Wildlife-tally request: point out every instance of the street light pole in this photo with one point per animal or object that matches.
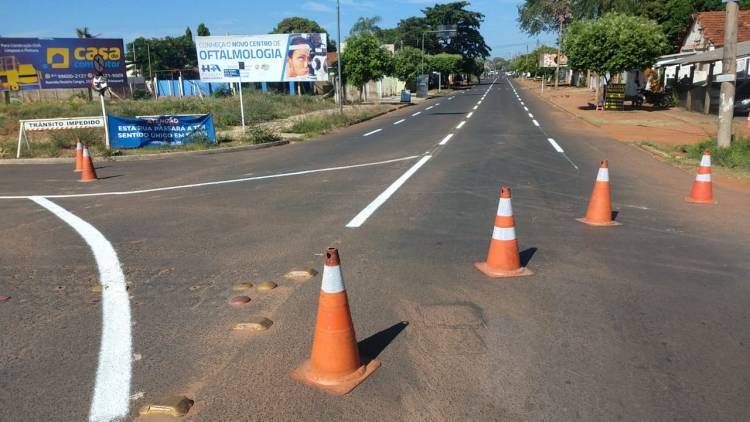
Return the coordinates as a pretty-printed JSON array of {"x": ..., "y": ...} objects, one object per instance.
[
  {"x": 338, "y": 58},
  {"x": 729, "y": 73}
]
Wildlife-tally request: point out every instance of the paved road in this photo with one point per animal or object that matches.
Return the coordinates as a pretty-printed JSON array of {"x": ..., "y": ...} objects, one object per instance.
[{"x": 645, "y": 321}]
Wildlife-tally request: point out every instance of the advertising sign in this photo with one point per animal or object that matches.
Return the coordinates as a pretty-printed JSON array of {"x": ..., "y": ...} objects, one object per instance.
[
  {"x": 157, "y": 131},
  {"x": 550, "y": 60},
  {"x": 34, "y": 63},
  {"x": 265, "y": 58}
]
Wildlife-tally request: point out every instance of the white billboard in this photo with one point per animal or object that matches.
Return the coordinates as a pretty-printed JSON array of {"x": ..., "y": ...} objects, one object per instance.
[{"x": 262, "y": 58}]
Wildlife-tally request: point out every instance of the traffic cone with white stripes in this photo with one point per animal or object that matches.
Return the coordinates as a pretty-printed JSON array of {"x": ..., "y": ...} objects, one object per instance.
[
  {"x": 79, "y": 156},
  {"x": 88, "y": 173},
  {"x": 702, "y": 192},
  {"x": 503, "y": 258},
  {"x": 334, "y": 365},
  {"x": 599, "y": 212}
]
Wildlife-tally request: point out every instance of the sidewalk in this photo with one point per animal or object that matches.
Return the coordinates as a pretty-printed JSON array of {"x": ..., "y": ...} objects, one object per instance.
[{"x": 667, "y": 127}]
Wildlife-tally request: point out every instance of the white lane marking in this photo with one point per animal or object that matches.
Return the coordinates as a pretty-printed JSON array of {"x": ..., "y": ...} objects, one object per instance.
[
  {"x": 479, "y": 103},
  {"x": 380, "y": 200},
  {"x": 535, "y": 123},
  {"x": 450, "y": 98},
  {"x": 475, "y": 107},
  {"x": 525, "y": 108},
  {"x": 219, "y": 182},
  {"x": 446, "y": 139},
  {"x": 399, "y": 122},
  {"x": 468, "y": 116},
  {"x": 416, "y": 114},
  {"x": 111, "y": 399},
  {"x": 437, "y": 104},
  {"x": 429, "y": 108},
  {"x": 373, "y": 132},
  {"x": 460, "y": 125},
  {"x": 522, "y": 103},
  {"x": 557, "y": 147},
  {"x": 531, "y": 115}
]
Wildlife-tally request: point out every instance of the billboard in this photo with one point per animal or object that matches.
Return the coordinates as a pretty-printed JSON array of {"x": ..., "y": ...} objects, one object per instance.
[
  {"x": 550, "y": 60},
  {"x": 34, "y": 63},
  {"x": 262, "y": 58}
]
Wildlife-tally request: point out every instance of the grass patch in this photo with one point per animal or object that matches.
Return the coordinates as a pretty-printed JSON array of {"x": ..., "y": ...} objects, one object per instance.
[
  {"x": 318, "y": 125},
  {"x": 737, "y": 156}
]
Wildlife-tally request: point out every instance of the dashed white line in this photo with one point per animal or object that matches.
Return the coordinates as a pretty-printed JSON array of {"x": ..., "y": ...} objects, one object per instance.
[
  {"x": 525, "y": 108},
  {"x": 460, "y": 125},
  {"x": 468, "y": 116},
  {"x": 535, "y": 123},
  {"x": 531, "y": 115},
  {"x": 446, "y": 139},
  {"x": 416, "y": 114},
  {"x": 429, "y": 108},
  {"x": 373, "y": 132},
  {"x": 399, "y": 122},
  {"x": 555, "y": 145},
  {"x": 437, "y": 104},
  {"x": 450, "y": 98},
  {"x": 380, "y": 200},
  {"x": 475, "y": 107},
  {"x": 111, "y": 399}
]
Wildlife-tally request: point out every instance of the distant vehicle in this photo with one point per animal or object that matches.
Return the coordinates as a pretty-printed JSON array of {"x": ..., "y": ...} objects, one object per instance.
[{"x": 14, "y": 75}]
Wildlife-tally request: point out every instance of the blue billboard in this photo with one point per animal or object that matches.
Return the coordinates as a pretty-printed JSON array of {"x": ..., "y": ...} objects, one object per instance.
[
  {"x": 40, "y": 63},
  {"x": 160, "y": 131}
]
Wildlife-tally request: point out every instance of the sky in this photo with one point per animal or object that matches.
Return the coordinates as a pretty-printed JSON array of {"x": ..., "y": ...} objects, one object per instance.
[{"x": 159, "y": 18}]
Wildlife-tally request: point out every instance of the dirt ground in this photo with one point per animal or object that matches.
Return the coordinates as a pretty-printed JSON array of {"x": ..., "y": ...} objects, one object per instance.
[{"x": 671, "y": 127}]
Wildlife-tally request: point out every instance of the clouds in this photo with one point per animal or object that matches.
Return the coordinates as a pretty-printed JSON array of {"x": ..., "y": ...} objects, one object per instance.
[{"x": 315, "y": 6}]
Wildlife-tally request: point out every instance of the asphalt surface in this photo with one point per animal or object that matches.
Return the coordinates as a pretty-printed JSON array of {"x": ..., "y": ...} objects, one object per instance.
[{"x": 644, "y": 321}]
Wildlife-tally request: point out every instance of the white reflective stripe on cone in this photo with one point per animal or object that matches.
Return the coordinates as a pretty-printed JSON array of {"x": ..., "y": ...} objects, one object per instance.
[
  {"x": 505, "y": 209},
  {"x": 333, "y": 282},
  {"x": 86, "y": 152},
  {"x": 706, "y": 160},
  {"x": 603, "y": 175},
  {"x": 504, "y": 233},
  {"x": 702, "y": 177}
]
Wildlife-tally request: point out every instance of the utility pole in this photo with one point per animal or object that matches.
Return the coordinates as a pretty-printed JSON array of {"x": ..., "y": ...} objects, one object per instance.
[
  {"x": 559, "y": 51},
  {"x": 728, "y": 76},
  {"x": 338, "y": 57}
]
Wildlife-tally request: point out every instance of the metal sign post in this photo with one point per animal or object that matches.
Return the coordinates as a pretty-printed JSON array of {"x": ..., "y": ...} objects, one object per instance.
[
  {"x": 241, "y": 66},
  {"x": 100, "y": 84},
  {"x": 104, "y": 115}
]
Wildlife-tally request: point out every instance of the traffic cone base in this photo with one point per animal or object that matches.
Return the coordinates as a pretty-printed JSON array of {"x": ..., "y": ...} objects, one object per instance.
[
  {"x": 599, "y": 223},
  {"x": 497, "y": 273},
  {"x": 337, "y": 386},
  {"x": 700, "y": 201}
]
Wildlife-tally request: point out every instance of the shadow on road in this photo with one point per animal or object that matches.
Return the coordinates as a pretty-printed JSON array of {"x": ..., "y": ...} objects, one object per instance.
[
  {"x": 372, "y": 346},
  {"x": 526, "y": 256}
]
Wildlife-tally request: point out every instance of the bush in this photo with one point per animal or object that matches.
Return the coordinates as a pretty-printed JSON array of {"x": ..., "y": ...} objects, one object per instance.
[
  {"x": 736, "y": 156},
  {"x": 261, "y": 135}
]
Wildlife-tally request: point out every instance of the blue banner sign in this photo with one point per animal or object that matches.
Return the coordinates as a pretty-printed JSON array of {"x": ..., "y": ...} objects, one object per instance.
[
  {"x": 160, "y": 131},
  {"x": 34, "y": 63}
]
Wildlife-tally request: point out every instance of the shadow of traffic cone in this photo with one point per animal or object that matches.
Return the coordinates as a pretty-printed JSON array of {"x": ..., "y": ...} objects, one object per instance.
[
  {"x": 79, "y": 156},
  {"x": 702, "y": 192},
  {"x": 88, "y": 173},
  {"x": 503, "y": 259},
  {"x": 334, "y": 364},
  {"x": 599, "y": 212}
]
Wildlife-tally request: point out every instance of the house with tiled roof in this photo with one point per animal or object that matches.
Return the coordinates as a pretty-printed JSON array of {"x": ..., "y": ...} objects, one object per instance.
[{"x": 707, "y": 30}]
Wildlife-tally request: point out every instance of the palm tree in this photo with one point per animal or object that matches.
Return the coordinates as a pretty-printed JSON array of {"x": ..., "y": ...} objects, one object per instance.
[
  {"x": 369, "y": 25},
  {"x": 84, "y": 33}
]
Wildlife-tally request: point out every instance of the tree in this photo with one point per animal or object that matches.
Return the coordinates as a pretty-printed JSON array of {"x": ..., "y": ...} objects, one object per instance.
[
  {"x": 364, "y": 60},
  {"x": 406, "y": 63},
  {"x": 446, "y": 63},
  {"x": 613, "y": 43},
  {"x": 188, "y": 33},
  {"x": 84, "y": 33},
  {"x": 203, "y": 30},
  {"x": 298, "y": 25},
  {"x": 369, "y": 25}
]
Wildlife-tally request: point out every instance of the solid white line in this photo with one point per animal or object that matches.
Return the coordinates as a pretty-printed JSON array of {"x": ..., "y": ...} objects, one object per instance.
[
  {"x": 460, "y": 125},
  {"x": 555, "y": 145},
  {"x": 446, "y": 139},
  {"x": 468, "y": 116},
  {"x": 219, "y": 182},
  {"x": 475, "y": 107},
  {"x": 380, "y": 200},
  {"x": 112, "y": 387},
  {"x": 429, "y": 108},
  {"x": 535, "y": 123},
  {"x": 374, "y": 131},
  {"x": 416, "y": 114},
  {"x": 399, "y": 122}
]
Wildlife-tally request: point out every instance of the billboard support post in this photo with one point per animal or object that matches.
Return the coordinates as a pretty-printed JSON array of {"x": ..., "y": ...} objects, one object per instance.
[
  {"x": 104, "y": 115},
  {"x": 242, "y": 106}
]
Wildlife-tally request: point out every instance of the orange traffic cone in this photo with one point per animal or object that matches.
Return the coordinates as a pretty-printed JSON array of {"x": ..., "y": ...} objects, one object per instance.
[
  {"x": 88, "y": 173},
  {"x": 79, "y": 156},
  {"x": 503, "y": 259},
  {"x": 747, "y": 122},
  {"x": 599, "y": 212},
  {"x": 702, "y": 192},
  {"x": 334, "y": 364}
]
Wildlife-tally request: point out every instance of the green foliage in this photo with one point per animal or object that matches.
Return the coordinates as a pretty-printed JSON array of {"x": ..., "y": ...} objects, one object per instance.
[
  {"x": 736, "y": 156},
  {"x": 168, "y": 53},
  {"x": 613, "y": 43},
  {"x": 364, "y": 60},
  {"x": 299, "y": 25},
  {"x": 446, "y": 63},
  {"x": 536, "y": 16},
  {"x": 261, "y": 135},
  {"x": 318, "y": 125},
  {"x": 203, "y": 30},
  {"x": 363, "y": 24},
  {"x": 529, "y": 63},
  {"x": 406, "y": 63},
  {"x": 467, "y": 41}
]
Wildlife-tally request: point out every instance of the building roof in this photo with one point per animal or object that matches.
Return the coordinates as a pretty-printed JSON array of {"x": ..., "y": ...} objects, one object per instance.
[
  {"x": 716, "y": 55},
  {"x": 712, "y": 24}
]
